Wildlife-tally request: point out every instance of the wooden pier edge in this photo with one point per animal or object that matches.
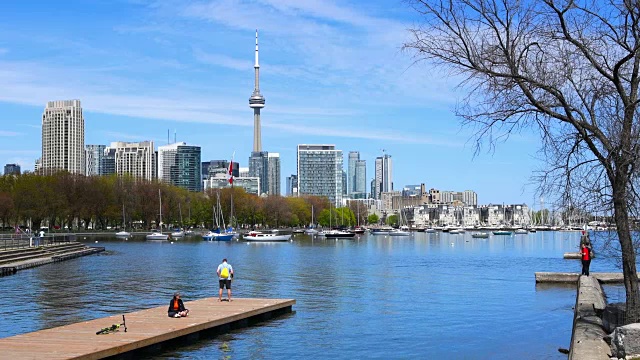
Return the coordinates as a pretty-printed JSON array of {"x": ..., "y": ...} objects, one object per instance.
[{"x": 148, "y": 330}]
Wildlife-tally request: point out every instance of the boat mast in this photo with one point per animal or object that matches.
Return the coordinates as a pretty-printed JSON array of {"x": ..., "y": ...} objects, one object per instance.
[{"x": 160, "y": 198}]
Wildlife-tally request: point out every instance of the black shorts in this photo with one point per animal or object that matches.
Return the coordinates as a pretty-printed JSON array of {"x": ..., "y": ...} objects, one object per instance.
[{"x": 224, "y": 283}]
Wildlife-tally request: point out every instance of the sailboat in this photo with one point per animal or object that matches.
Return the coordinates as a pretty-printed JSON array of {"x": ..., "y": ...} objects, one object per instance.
[
  {"x": 218, "y": 218},
  {"x": 158, "y": 235},
  {"x": 311, "y": 230},
  {"x": 178, "y": 233},
  {"x": 123, "y": 233}
]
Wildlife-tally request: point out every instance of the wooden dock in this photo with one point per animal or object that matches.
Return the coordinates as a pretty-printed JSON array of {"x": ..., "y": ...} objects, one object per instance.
[{"x": 146, "y": 330}]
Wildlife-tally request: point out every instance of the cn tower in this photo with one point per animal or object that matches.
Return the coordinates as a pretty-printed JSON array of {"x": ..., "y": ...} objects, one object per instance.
[{"x": 256, "y": 102}]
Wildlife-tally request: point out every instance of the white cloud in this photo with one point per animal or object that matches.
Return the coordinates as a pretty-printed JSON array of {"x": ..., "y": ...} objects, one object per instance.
[{"x": 9, "y": 133}]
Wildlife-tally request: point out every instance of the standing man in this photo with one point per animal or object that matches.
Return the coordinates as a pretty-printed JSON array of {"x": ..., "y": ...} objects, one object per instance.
[
  {"x": 225, "y": 273},
  {"x": 586, "y": 259}
]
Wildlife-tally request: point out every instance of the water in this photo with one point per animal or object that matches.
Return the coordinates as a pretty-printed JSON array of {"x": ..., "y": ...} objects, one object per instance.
[{"x": 426, "y": 296}]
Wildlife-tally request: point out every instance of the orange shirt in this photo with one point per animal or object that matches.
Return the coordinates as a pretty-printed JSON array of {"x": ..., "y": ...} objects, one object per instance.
[
  {"x": 176, "y": 304},
  {"x": 585, "y": 254}
]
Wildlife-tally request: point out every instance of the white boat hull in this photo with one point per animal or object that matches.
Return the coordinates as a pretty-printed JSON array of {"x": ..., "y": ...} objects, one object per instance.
[
  {"x": 123, "y": 234},
  {"x": 177, "y": 234},
  {"x": 267, "y": 237},
  {"x": 158, "y": 236},
  {"x": 399, "y": 233}
]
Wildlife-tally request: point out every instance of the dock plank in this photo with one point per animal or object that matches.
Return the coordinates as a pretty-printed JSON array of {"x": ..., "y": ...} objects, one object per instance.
[
  {"x": 556, "y": 277},
  {"x": 145, "y": 328}
]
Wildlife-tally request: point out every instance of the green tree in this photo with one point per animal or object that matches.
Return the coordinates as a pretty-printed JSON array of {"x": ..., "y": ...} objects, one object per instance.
[
  {"x": 373, "y": 219},
  {"x": 392, "y": 220}
]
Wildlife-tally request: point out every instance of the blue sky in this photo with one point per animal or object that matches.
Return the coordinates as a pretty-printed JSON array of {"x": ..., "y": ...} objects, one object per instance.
[{"x": 332, "y": 72}]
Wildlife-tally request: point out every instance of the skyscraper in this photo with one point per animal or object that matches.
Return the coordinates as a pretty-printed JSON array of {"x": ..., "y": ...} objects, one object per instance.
[
  {"x": 351, "y": 179},
  {"x": 360, "y": 188},
  {"x": 273, "y": 174},
  {"x": 63, "y": 137},
  {"x": 134, "y": 159},
  {"x": 292, "y": 185},
  {"x": 179, "y": 165},
  {"x": 383, "y": 175},
  {"x": 320, "y": 172},
  {"x": 94, "y": 159}
]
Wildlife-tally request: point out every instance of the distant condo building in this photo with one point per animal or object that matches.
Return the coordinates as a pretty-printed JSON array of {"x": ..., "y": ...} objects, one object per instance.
[
  {"x": 213, "y": 168},
  {"x": 292, "y": 185},
  {"x": 320, "y": 172},
  {"x": 12, "y": 169},
  {"x": 37, "y": 165},
  {"x": 383, "y": 175},
  {"x": 243, "y": 172},
  {"x": 250, "y": 184},
  {"x": 135, "y": 159},
  {"x": 266, "y": 166},
  {"x": 357, "y": 176},
  {"x": 63, "y": 137},
  {"x": 94, "y": 160},
  {"x": 179, "y": 165}
]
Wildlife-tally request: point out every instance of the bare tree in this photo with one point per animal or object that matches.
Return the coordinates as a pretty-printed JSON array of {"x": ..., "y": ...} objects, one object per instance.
[{"x": 570, "y": 69}]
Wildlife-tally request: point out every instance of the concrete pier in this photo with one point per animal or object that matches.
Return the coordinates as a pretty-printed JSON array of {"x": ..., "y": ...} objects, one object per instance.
[
  {"x": 147, "y": 330},
  {"x": 587, "y": 337},
  {"x": 554, "y": 277}
]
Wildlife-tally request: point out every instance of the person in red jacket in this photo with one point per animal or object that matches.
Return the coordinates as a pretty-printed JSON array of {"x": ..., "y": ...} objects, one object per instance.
[{"x": 586, "y": 259}]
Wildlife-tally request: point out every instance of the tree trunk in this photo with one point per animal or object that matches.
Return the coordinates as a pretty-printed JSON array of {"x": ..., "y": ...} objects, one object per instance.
[{"x": 628, "y": 252}]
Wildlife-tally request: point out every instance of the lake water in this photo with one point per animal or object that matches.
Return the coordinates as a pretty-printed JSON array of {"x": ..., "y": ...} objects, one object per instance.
[{"x": 425, "y": 296}]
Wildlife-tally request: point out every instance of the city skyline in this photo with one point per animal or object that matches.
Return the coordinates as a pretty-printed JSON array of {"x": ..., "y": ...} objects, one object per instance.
[{"x": 135, "y": 82}]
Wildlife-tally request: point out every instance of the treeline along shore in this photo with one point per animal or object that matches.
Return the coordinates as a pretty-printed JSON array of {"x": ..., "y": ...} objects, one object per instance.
[{"x": 77, "y": 202}]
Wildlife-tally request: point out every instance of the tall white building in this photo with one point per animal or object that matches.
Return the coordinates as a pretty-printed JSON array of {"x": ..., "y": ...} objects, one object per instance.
[
  {"x": 63, "y": 137},
  {"x": 470, "y": 198},
  {"x": 383, "y": 175},
  {"x": 135, "y": 159},
  {"x": 320, "y": 172}
]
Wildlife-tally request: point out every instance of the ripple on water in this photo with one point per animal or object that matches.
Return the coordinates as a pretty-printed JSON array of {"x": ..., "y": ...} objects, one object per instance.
[{"x": 373, "y": 297}]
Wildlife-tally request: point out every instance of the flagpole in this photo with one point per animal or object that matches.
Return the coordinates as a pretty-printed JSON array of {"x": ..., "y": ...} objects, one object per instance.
[{"x": 231, "y": 181}]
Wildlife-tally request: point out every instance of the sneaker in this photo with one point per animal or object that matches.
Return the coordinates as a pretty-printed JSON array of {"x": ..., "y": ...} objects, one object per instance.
[{"x": 176, "y": 315}]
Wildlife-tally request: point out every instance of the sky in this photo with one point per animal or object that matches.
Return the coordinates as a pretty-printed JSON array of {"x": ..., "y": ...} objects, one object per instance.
[{"x": 332, "y": 72}]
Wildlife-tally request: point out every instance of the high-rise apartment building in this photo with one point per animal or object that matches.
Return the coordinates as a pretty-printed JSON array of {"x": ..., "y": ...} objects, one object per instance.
[
  {"x": 360, "y": 188},
  {"x": 320, "y": 172},
  {"x": 179, "y": 165},
  {"x": 470, "y": 198},
  {"x": 383, "y": 175},
  {"x": 266, "y": 166},
  {"x": 12, "y": 169},
  {"x": 135, "y": 159},
  {"x": 292, "y": 185},
  {"x": 273, "y": 174},
  {"x": 351, "y": 175},
  {"x": 94, "y": 159},
  {"x": 63, "y": 137}
]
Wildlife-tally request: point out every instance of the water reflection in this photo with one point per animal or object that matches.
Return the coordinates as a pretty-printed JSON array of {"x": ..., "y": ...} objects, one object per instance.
[{"x": 422, "y": 296}]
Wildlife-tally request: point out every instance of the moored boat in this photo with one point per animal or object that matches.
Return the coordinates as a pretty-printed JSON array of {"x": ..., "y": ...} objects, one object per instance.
[
  {"x": 521, "y": 232},
  {"x": 262, "y": 236},
  {"x": 430, "y": 230},
  {"x": 339, "y": 234},
  {"x": 502, "y": 232},
  {"x": 157, "y": 236},
  {"x": 214, "y": 236},
  {"x": 399, "y": 233},
  {"x": 123, "y": 234},
  {"x": 480, "y": 235}
]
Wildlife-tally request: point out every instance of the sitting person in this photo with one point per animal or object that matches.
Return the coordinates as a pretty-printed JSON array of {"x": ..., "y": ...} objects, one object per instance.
[{"x": 176, "y": 307}]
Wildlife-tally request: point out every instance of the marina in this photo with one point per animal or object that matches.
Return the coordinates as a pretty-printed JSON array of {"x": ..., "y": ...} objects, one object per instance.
[{"x": 354, "y": 298}]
